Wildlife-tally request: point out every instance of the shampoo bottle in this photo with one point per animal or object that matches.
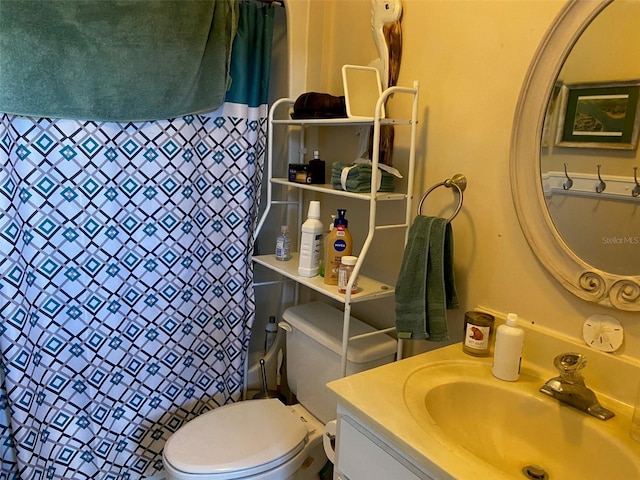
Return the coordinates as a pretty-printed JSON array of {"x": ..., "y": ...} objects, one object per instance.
[
  {"x": 508, "y": 350},
  {"x": 310, "y": 242},
  {"x": 339, "y": 244}
]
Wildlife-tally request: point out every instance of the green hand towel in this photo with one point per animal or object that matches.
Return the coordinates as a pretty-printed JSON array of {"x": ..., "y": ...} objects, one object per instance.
[
  {"x": 438, "y": 271},
  {"x": 449, "y": 278},
  {"x": 425, "y": 287},
  {"x": 411, "y": 317}
]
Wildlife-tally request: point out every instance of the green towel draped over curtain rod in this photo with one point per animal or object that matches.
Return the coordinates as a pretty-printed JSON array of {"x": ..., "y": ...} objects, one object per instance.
[{"x": 115, "y": 60}]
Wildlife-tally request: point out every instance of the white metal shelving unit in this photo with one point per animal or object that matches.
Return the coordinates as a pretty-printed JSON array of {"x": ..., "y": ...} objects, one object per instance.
[{"x": 369, "y": 289}]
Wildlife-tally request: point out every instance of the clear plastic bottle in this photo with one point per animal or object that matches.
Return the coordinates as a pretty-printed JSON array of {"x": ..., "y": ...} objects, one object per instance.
[
  {"x": 310, "y": 242},
  {"x": 507, "y": 354},
  {"x": 283, "y": 244}
]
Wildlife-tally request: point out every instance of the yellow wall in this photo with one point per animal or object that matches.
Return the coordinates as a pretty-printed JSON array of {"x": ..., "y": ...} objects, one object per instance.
[{"x": 470, "y": 57}]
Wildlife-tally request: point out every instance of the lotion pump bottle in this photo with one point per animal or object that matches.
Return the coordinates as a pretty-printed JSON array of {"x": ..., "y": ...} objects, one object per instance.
[
  {"x": 310, "y": 242},
  {"x": 508, "y": 350},
  {"x": 339, "y": 244}
]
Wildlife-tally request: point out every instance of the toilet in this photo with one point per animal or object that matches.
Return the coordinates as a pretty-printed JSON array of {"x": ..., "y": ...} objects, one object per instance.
[{"x": 265, "y": 439}]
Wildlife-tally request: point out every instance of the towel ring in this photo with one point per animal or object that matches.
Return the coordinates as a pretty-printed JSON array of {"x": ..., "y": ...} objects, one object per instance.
[{"x": 458, "y": 181}]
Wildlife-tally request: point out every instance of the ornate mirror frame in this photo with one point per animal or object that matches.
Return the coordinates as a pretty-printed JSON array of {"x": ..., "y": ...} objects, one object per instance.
[{"x": 573, "y": 273}]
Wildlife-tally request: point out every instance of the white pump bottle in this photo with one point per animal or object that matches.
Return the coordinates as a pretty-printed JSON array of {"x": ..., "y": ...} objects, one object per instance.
[{"x": 508, "y": 350}]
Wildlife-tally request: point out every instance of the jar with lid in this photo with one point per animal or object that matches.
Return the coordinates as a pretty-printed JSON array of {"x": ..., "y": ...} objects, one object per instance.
[
  {"x": 478, "y": 327},
  {"x": 347, "y": 264}
]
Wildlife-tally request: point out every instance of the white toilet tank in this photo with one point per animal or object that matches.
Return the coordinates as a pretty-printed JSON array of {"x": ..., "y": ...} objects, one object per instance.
[{"x": 314, "y": 348}]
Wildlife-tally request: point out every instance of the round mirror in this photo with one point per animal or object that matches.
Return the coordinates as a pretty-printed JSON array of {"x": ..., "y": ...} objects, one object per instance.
[{"x": 574, "y": 149}]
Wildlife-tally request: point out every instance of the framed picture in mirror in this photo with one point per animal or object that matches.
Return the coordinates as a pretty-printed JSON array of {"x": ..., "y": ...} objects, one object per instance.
[{"x": 599, "y": 115}]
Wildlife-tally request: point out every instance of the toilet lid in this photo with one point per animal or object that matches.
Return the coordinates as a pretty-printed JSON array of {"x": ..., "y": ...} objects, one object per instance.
[{"x": 242, "y": 438}]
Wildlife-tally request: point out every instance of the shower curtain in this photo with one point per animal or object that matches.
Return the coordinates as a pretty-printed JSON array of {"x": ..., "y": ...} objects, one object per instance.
[{"x": 125, "y": 276}]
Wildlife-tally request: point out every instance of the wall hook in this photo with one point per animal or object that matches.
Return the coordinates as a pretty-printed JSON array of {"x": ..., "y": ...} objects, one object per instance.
[
  {"x": 601, "y": 185},
  {"x": 569, "y": 183},
  {"x": 636, "y": 190}
]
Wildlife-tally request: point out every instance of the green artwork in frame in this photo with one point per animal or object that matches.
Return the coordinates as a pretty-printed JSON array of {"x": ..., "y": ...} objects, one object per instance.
[{"x": 603, "y": 115}]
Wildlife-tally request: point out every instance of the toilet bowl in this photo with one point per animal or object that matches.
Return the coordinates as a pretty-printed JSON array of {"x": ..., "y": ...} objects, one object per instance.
[
  {"x": 258, "y": 439},
  {"x": 265, "y": 439}
]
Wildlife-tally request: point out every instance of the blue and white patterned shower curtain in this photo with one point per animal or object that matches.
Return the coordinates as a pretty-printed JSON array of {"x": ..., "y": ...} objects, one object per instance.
[{"x": 126, "y": 285}]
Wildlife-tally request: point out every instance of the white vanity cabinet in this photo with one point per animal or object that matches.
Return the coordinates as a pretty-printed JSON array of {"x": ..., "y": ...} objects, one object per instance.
[
  {"x": 281, "y": 196},
  {"x": 362, "y": 454}
]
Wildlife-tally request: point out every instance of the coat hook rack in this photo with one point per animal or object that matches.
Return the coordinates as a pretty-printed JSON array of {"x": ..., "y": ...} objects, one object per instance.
[
  {"x": 569, "y": 183},
  {"x": 601, "y": 185},
  {"x": 636, "y": 190}
]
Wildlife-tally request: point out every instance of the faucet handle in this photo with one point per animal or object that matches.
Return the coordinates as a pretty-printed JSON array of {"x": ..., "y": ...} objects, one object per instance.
[{"x": 570, "y": 364}]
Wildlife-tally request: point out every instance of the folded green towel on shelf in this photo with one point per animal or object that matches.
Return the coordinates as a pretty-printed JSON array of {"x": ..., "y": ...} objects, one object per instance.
[{"x": 356, "y": 177}]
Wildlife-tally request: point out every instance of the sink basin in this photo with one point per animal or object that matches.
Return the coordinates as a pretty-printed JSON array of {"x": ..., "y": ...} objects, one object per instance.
[{"x": 511, "y": 426}]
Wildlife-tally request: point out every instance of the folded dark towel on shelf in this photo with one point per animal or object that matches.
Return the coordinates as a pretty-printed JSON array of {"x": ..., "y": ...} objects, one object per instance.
[{"x": 319, "y": 105}]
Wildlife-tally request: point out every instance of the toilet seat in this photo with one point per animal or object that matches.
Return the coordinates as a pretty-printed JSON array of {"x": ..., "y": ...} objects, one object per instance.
[{"x": 237, "y": 440}]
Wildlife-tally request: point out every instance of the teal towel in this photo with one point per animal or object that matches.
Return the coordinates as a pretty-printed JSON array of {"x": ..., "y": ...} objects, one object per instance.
[
  {"x": 426, "y": 284},
  {"x": 115, "y": 60}
]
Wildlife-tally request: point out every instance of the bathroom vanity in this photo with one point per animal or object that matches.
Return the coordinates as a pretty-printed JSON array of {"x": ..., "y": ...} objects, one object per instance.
[
  {"x": 442, "y": 415},
  {"x": 365, "y": 454}
]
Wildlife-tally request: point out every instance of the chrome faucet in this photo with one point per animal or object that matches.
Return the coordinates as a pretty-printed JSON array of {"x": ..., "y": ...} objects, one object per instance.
[{"x": 570, "y": 388}]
